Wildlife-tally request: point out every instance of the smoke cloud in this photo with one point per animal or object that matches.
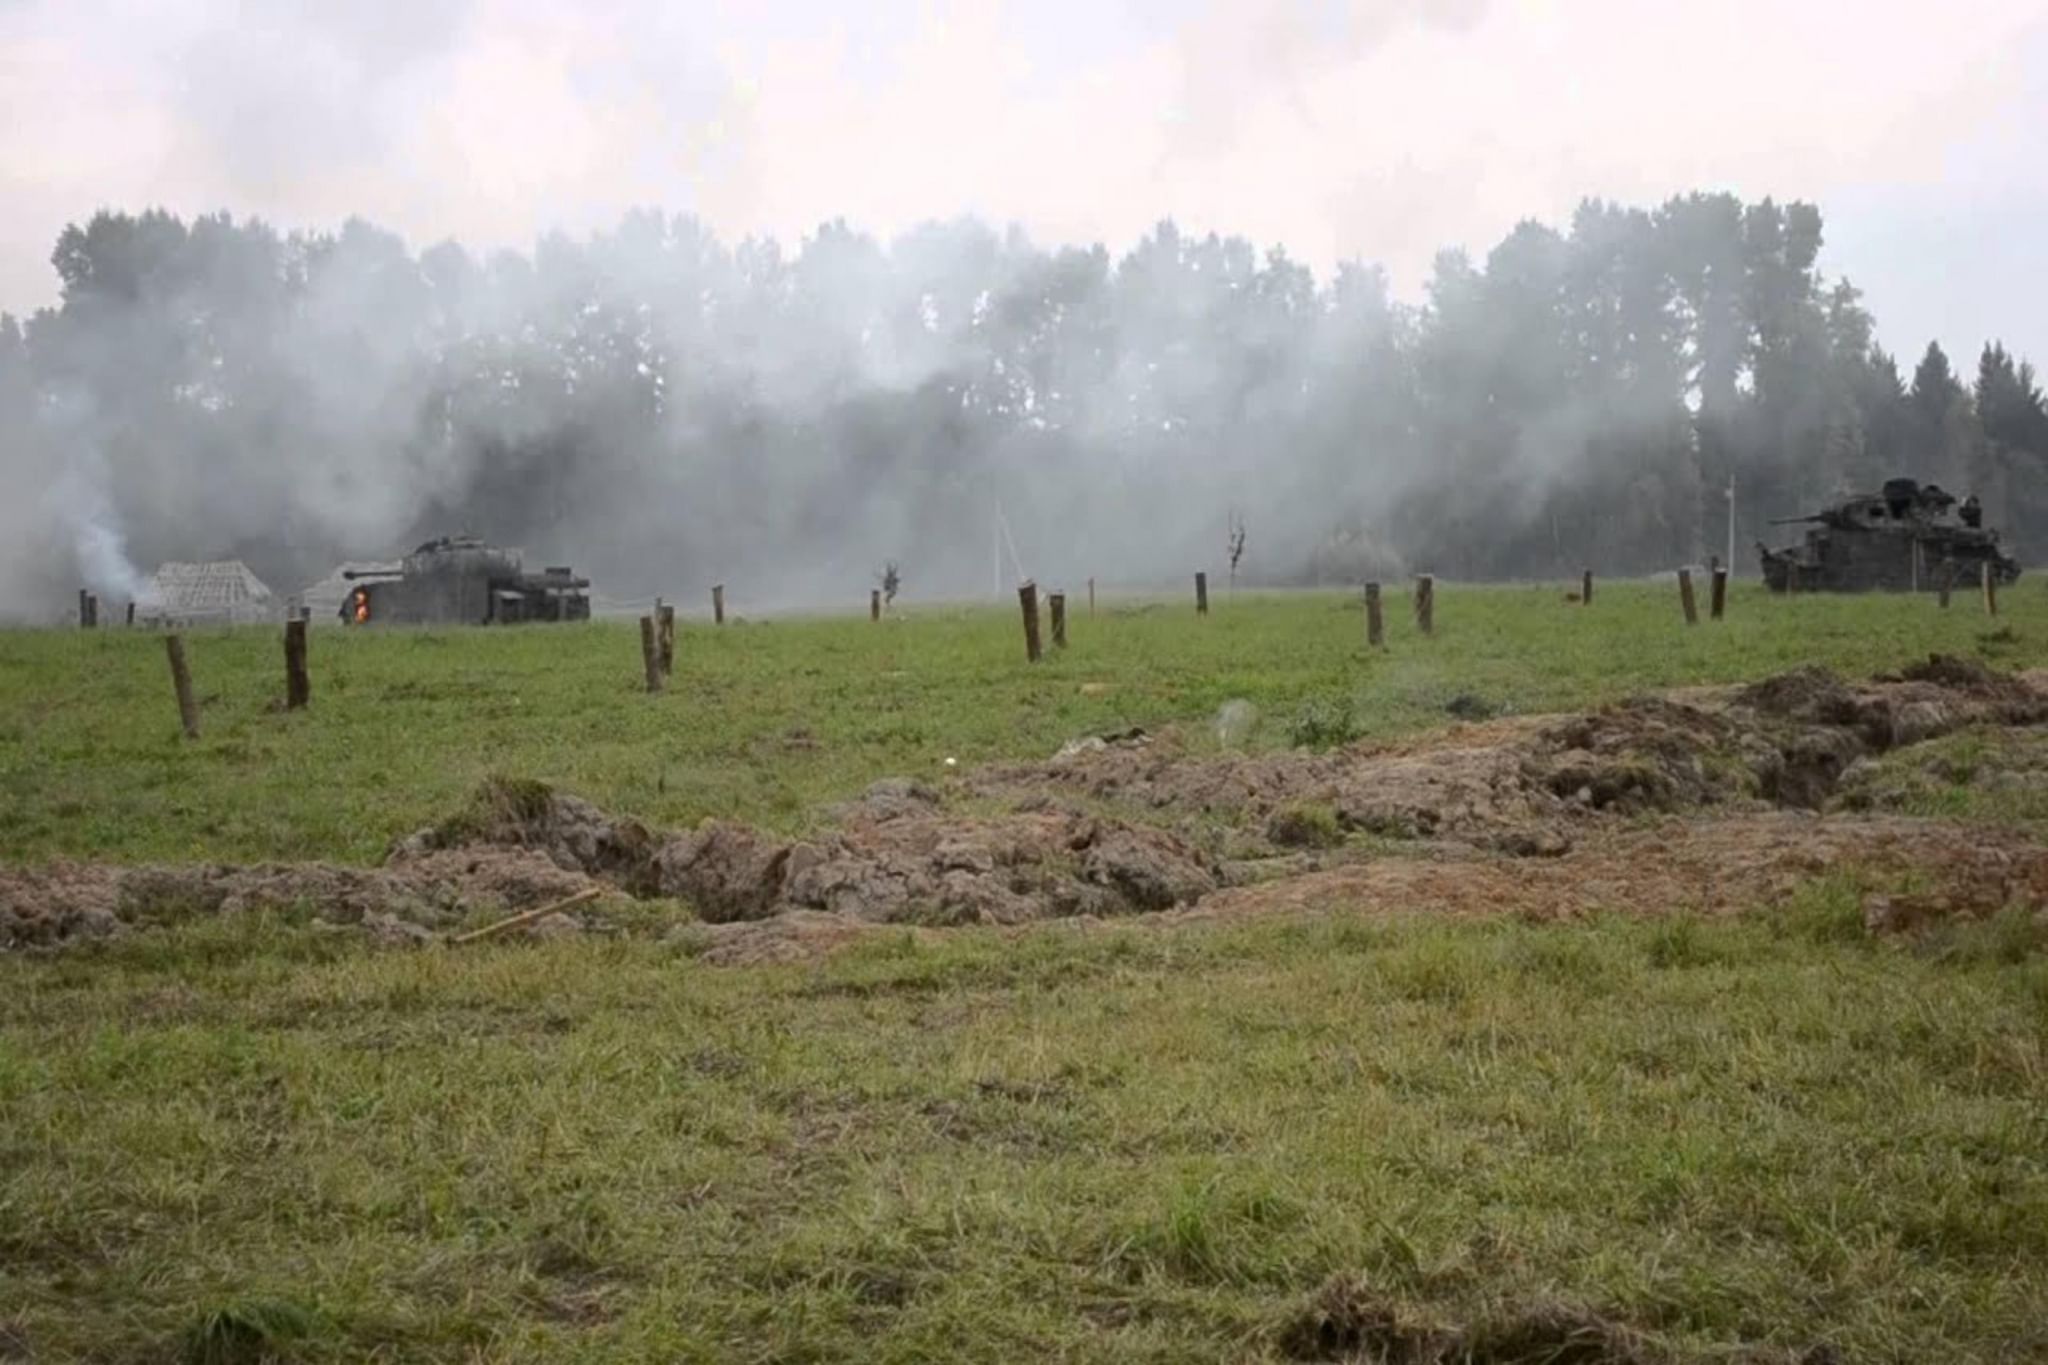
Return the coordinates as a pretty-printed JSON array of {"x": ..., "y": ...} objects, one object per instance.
[{"x": 663, "y": 409}]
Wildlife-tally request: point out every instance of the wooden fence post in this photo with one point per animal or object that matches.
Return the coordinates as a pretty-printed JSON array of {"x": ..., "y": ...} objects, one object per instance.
[
  {"x": 1201, "y": 594},
  {"x": 298, "y": 686},
  {"x": 1058, "y": 602},
  {"x": 718, "y": 604},
  {"x": 181, "y": 683},
  {"x": 131, "y": 613},
  {"x": 1685, "y": 599},
  {"x": 1990, "y": 590},
  {"x": 1375, "y": 622},
  {"x": 665, "y": 638},
  {"x": 650, "y": 658},
  {"x": 1718, "y": 600},
  {"x": 1586, "y": 588},
  {"x": 874, "y": 604},
  {"x": 1027, "y": 599},
  {"x": 1425, "y": 603}
]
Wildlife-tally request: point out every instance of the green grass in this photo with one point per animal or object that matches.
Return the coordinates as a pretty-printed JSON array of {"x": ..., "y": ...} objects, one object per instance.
[
  {"x": 764, "y": 722},
  {"x": 251, "y": 1137},
  {"x": 1127, "y": 1144}
]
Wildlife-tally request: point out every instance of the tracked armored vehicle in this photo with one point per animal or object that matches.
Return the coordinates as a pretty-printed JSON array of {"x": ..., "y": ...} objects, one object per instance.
[
  {"x": 1911, "y": 537},
  {"x": 461, "y": 580}
]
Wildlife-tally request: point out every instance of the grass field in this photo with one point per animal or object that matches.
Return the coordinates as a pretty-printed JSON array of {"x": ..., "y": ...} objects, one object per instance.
[
  {"x": 1659, "y": 1136},
  {"x": 766, "y": 722}
]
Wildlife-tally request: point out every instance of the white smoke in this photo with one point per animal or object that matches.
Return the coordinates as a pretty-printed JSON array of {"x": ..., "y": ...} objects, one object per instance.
[{"x": 78, "y": 503}]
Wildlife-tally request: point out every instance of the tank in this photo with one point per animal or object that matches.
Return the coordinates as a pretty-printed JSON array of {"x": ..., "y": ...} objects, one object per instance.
[
  {"x": 1907, "y": 537},
  {"x": 460, "y": 580}
]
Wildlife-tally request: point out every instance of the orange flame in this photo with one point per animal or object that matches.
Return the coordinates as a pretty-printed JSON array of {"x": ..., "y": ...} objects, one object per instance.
[{"x": 362, "y": 610}]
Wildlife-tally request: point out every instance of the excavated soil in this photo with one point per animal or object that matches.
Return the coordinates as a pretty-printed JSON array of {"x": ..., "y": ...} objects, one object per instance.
[
  {"x": 1709, "y": 866},
  {"x": 1706, "y": 799},
  {"x": 405, "y": 900}
]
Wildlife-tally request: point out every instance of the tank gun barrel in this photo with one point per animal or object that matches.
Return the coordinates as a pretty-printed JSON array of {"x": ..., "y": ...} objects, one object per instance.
[{"x": 353, "y": 574}]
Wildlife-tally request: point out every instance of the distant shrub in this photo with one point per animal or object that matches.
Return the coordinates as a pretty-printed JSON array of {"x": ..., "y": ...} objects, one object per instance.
[
  {"x": 1324, "y": 723},
  {"x": 1305, "y": 824}
]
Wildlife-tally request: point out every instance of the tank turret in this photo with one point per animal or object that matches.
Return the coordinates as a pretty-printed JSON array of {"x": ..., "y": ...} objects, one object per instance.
[{"x": 1907, "y": 537}]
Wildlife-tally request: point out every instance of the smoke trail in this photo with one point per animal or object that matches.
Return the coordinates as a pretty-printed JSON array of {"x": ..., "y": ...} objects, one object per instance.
[{"x": 78, "y": 502}]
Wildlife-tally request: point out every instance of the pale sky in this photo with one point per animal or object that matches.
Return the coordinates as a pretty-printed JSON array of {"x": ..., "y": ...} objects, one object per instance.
[{"x": 1370, "y": 129}]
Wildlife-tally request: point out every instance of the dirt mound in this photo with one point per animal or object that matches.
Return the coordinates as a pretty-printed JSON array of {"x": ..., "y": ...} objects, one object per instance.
[
  {"x": 1535, "y": 786},
  {"x": 1714, "y": 867},
  {"x": 1347, "y": 1321},
  {"x": 65, "y": 901},
  {"x": 1813, "y": 694},
  {"x": 1921, "y": 702},
  {"x": 1466, "y": 784},
  {"x": 1964, "y": 674},
  {"x": 1087, "y": 833},
  {"x": 896, "y": 858},
  {"x": 939, "y": 869},
  {"x": 570, "y": 832}
]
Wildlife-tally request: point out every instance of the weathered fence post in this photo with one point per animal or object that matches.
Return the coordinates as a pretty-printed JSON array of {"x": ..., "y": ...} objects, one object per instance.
[
  {"x": 131, "y": 613},
  {"x": 1944, "y": 581},
  {"x": 650, "y": 658},
  {"x": 874, "y": 604},
  {"x": 1201, "y": 594},
  {"x": 1718, "y": 600},
  {"x": 1586, "y": 588},
  {"x": 1990, "y": 590},
  {"x": 1375, "y": 622},
  {"x": 1027, "y": 599},
  {"x": 1692, "y": 611},
  {"x": 718, "y": 604},
  {"x": 84, "y": 609},
  {"x": 181, "y": 683},
  {"x": 298, "y": 687},
  {"x": 1091, "y": 597},
  {"x": 1425, "y": 603},
  {"x": 1058, "y": 602},
  {"x": 665, "y": 638}
]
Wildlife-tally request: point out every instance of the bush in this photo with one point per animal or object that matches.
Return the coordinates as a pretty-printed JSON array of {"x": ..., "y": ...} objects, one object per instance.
[
  {"x": 1305, "y": 824},
  {"x": 1324, "y": 723}
]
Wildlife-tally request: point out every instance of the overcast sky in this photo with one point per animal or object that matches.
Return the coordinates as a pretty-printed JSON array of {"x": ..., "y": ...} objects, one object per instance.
[{"x": 1376, "y": 129}]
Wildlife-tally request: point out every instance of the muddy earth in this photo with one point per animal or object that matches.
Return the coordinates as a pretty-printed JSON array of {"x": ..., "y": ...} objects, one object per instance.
[{"x": 1711, "y": 799}]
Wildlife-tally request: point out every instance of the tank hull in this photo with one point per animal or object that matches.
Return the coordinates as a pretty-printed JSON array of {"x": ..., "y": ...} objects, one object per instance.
[
  {"x": 462, "y": 581},
  {"x": 1872, "y": 563},
  {"x": 1900, "y": 541}
]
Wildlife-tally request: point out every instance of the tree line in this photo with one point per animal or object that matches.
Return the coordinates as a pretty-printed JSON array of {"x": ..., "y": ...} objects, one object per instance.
[{"x": 659, "y": 403}]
